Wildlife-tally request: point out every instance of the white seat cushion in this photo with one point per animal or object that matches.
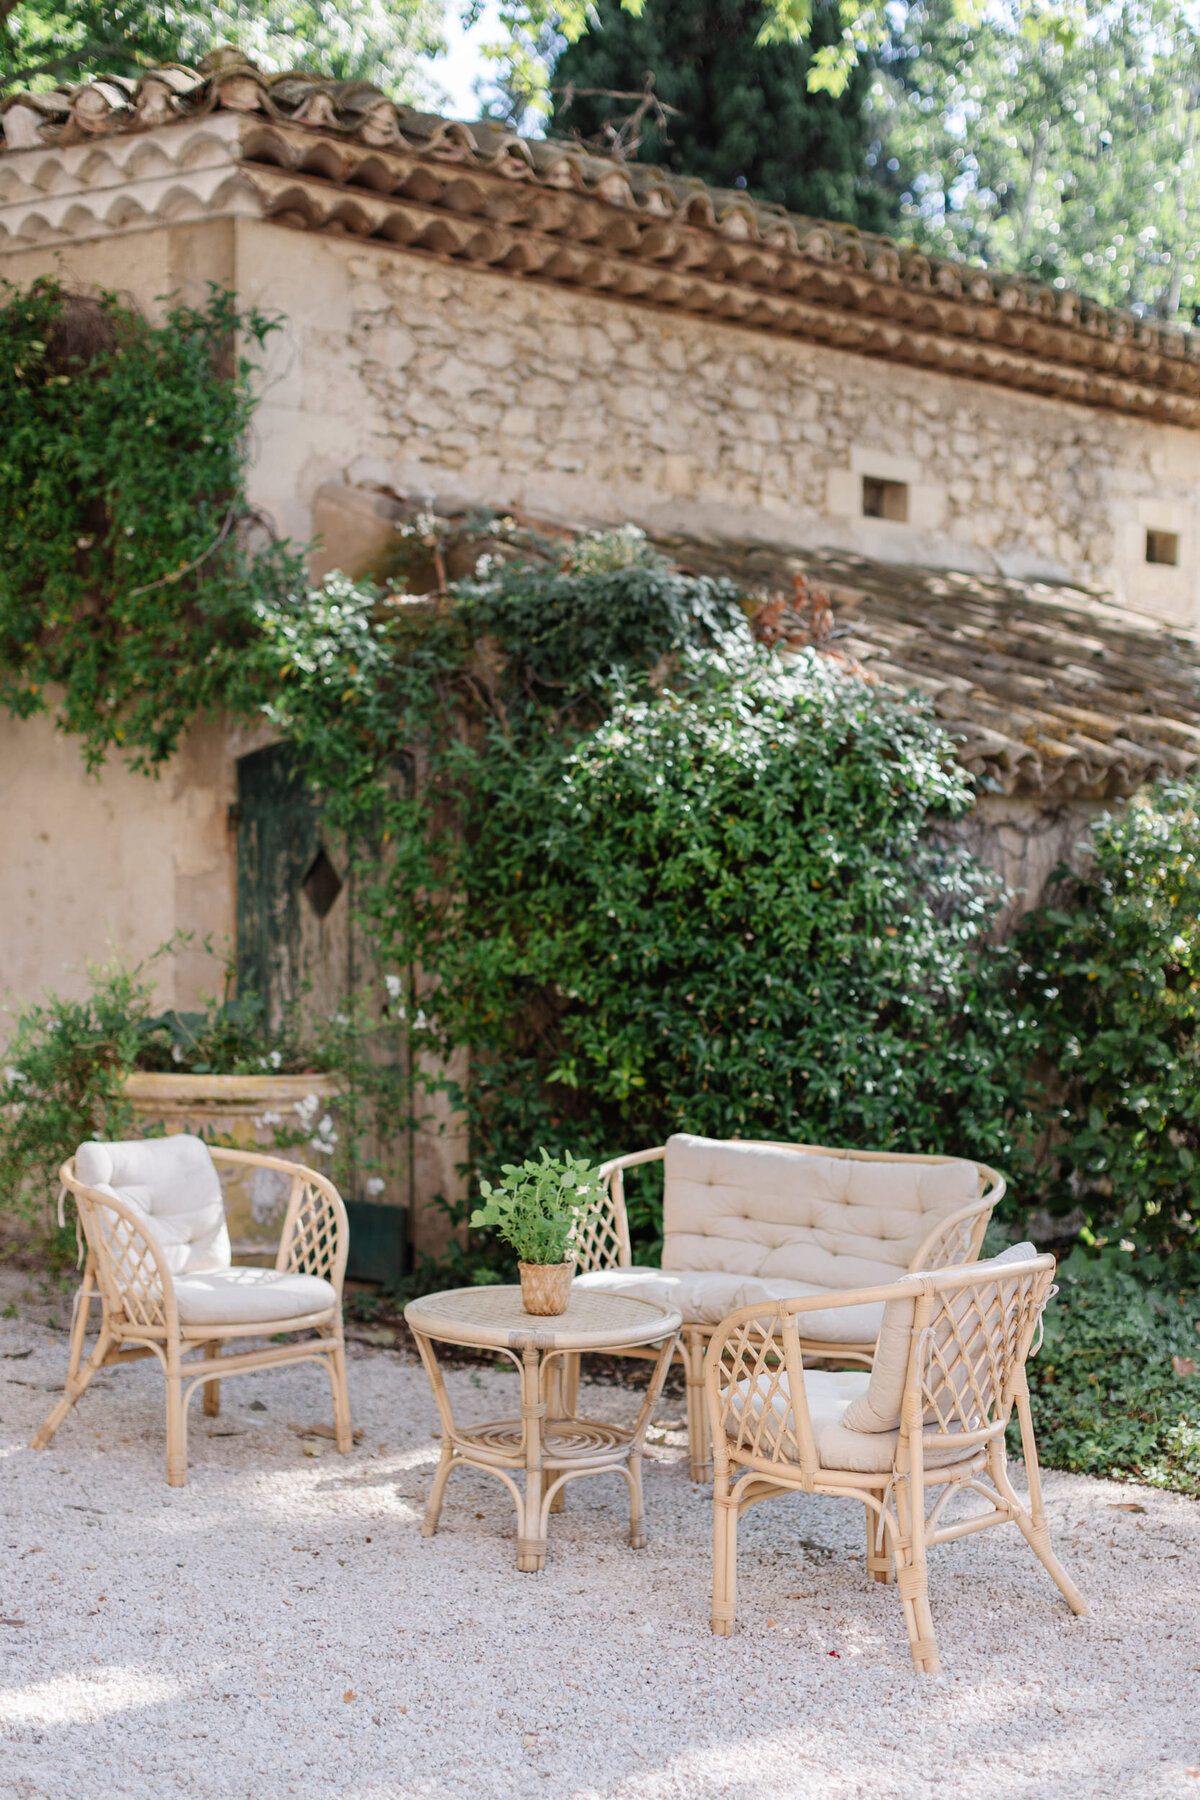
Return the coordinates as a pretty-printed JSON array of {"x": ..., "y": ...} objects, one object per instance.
[
  {"x": 250, "y": 1297},
  {"x": 706, "y": 1296},
  {"x": 830, "y": 1393},
  {"x": 173, "y": 1183}
]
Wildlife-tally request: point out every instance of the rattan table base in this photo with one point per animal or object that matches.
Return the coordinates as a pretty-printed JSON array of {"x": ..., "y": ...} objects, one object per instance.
[{"x": 548, "y": 1444}]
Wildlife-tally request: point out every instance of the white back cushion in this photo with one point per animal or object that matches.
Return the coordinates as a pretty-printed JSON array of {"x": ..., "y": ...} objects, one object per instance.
[
  {"x": 879, "y": 1408},
  {"x": 752, "y": 1209},
  {"x": 172, "y": 1181}
]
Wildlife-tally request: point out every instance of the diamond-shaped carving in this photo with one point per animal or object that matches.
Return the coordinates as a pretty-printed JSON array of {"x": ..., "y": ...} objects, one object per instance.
[{"x": 322, "y": 885}]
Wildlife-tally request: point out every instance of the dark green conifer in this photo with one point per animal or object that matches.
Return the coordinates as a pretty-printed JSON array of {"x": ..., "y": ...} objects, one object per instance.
[{"x": 747, "y": 118}]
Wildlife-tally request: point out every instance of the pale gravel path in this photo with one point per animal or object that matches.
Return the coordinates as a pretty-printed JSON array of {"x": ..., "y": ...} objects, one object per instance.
[{"x": 199, "y": 1642}]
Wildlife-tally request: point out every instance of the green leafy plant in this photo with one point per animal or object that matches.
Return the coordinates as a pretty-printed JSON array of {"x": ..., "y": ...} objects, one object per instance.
[
  {"x": 1113, "y": 970},
  {"x": 1115, "y": 1387},
  {"x": 64, "y": 1073},
  {"x": 130, "y": 580},
  {"x": 536, "y": 1206}
]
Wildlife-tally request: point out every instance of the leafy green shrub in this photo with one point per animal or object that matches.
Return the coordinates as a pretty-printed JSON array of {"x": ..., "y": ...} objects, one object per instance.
[
  {"x": 64, "y": 1072},
  {"x": 1108, "y": 1397},
  {"x": 535, "y": 1207},
  {"x": 653, "y": 876},
  {"x": 1114, "y": 972}
]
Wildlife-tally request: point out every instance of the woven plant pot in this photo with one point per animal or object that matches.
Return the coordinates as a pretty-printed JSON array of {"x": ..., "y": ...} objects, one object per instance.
[{"x": 546, "y": 1287}]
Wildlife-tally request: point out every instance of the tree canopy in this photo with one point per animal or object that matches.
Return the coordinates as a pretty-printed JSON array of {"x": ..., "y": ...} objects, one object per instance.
[
  {"x": 1068, "y": 152},
  {"x": 45, "y": 42},
  {"x": 742, "y": 114}
]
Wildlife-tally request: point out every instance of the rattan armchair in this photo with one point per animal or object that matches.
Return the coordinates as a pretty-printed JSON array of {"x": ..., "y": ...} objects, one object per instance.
[
  {"x": 602, "y": 1247},
  {"x": 175, "y": 1296},
  {"x": 930, "y": 1418}
]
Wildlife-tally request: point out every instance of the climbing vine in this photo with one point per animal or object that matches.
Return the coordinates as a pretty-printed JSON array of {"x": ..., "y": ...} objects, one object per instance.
[{"x": 132, "y": 572}]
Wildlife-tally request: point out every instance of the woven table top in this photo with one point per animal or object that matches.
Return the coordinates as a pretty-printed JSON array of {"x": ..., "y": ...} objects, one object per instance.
[{"x": 494, "y": 1316}]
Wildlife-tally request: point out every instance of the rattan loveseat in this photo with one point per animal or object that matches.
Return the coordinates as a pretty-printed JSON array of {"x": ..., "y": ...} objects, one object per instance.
[{"x": 747, "y": 1222}]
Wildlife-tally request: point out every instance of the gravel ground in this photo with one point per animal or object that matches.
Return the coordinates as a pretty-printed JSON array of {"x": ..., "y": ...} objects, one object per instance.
[{"x": 214, "y": 1642}]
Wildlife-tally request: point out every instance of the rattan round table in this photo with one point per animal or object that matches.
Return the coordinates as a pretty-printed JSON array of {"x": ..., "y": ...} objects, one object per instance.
[{"x": 548, "y": 1443}]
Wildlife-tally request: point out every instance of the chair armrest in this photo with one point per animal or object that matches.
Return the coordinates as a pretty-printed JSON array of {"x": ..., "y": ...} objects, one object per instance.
[
  {"x": 315, "y": 1239},
  {"x": 134, "y": 1278}
]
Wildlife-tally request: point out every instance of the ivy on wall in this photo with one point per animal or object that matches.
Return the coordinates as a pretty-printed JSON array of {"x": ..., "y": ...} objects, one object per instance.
[{"x": 130, "y": 587}]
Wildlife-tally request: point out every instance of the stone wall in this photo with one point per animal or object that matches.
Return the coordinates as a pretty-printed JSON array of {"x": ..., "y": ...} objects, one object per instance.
[{"x": 398, "y": 373}]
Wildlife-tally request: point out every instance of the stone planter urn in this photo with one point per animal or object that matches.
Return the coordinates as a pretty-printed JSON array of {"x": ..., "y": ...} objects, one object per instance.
[{"x": 293, "y": 1116}]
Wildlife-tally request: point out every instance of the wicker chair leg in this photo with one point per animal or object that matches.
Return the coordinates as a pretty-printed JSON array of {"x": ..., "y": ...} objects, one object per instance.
[
  {"x": 637, "y": 1505},
  {"x": 212, "y": 1389},
  {"x": 176, "y": 1424},
  {"x": 879, "y": 1563},
  {"x": 79, "y": 1323},
  {"x": 74, "y": 1388},
  {"x": 912, "y": 1578},
  {"x": 342, "y": 1423},
  {"x": 1033, "y": 1528},
  {"x": 433, "y": 1506},
  {"x": 725, "y": 1524},
  {"x": 699, "y": 1440}
]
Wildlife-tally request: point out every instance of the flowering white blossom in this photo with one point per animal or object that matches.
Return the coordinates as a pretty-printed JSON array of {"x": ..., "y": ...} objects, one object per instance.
[
  {"x": 376, "y": 1185},
  {"x": 306, "y": 1109},
  {"x": 394, "y": 985}
]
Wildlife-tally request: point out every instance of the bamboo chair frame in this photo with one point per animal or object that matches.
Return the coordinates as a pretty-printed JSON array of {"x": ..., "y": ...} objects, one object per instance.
[
  {"x": 126, "y": 1270},
  {"x": 973, "y": 1330},
  {"x": 602, "y": 1242}
]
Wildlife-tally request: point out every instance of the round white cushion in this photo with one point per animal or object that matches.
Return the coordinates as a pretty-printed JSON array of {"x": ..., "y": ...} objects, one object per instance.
[{"x": 249, "y": 1297}]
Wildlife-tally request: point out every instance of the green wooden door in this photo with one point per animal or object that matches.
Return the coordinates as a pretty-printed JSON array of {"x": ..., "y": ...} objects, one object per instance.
[{"x": 297, "y": 946}]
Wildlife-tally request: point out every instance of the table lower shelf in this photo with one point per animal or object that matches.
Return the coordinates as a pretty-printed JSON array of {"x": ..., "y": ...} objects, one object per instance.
[{"x": 566, "y": 1443}]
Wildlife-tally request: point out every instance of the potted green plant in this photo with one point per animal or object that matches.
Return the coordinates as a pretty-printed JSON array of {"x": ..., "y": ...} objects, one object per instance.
[{"x": 535, "y": 1209}]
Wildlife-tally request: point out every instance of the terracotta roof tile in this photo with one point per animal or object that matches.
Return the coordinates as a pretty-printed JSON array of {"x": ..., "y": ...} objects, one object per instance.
[
  {"x": 1051, "y": 691},
  {"x": 334, "y": 155}
]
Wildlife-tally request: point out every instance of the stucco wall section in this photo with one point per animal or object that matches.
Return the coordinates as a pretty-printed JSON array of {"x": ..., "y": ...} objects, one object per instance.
[
  {"x": 95, "y": 865},
  {"x": 422, "y": 378}
]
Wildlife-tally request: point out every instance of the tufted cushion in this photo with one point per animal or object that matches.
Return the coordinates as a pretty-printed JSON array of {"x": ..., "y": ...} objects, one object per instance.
[
  {"x": 832, "y": 1395},
  {"x": 249, "y": 1297},
  {"x": 826, "y": 1221},
  {"x": 878, "y": 1407},
  {"x": 708, "y": 1296},
  {"x": 173, "y": 1182}
]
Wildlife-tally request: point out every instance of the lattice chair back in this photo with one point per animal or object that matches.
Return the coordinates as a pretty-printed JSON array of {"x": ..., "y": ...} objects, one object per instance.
[
  {"x": 315, "y": 1238},
  {"x": 134, "y": 1279},
  {"x": 601, "y": 1234},
  {"x": 969, "y": 1355}
]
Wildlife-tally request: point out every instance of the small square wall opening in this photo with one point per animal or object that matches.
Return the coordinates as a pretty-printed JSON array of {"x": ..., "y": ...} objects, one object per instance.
[
  {"x": 885, "y": 499},
  {"x": 1163, "y": 547}
]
